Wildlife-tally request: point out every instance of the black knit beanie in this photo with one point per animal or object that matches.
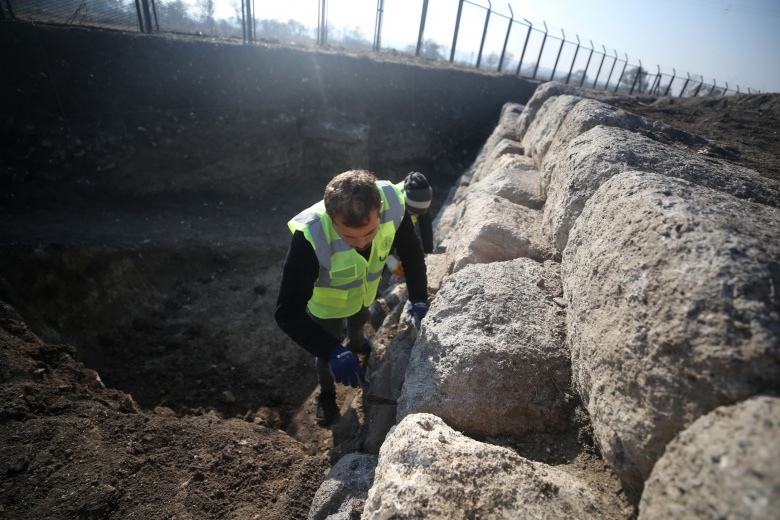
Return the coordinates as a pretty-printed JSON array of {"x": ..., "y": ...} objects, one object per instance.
[{"x": 418, "y": 193}]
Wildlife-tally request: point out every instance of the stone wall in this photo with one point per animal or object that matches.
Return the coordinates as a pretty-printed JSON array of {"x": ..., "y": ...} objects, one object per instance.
[{"x": 592, "y": 255}]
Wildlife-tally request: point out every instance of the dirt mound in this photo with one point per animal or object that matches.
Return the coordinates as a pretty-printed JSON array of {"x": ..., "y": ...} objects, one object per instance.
[
  {"x": 745, "y": 125},
  {"x": 73, "y": 448}
]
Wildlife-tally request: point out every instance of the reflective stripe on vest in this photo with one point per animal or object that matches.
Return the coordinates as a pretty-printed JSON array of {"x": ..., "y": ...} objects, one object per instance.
[{"x": 347, "y": 282}]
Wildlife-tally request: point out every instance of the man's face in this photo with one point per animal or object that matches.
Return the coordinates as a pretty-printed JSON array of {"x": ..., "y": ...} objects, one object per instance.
[{"x": 358, "y": 238}]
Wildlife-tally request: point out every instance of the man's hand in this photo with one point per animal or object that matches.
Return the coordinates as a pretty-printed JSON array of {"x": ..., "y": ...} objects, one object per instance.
[
  {"x": 416, "y": 311},
  {"x": 345, "y": 367}
]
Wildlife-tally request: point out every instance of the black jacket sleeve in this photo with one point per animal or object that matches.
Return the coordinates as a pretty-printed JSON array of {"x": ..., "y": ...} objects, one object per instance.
[
  {"x": 301, "y": 270},
  {"x": 409, "y": 250},
  {"x": 425, "y": 222}
]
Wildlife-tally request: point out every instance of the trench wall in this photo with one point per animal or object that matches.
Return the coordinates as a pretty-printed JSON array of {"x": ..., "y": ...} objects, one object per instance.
[{"x": 94, "y": 110}]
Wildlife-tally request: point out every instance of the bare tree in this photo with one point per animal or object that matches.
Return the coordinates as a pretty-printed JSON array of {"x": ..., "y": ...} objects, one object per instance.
[{"x": 636, "y": 77}]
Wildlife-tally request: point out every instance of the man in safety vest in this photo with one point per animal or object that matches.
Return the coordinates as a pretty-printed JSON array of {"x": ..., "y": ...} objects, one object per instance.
[{"x": 332, "y": 272}]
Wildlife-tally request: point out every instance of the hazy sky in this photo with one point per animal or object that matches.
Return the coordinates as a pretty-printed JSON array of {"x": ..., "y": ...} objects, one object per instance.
[{"x": 732, "y": 42}]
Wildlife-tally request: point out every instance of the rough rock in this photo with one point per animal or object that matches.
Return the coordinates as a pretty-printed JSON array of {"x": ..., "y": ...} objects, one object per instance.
[
  {"x": 428, "y": 470},
  {"x": 344, "y": 490},
  {"x": 672, "y": 310},
  {"x": 578, "y": 167},
  {"x": 493, "y": 229},
  {"x": 490, "y": 359},
  {"x": 551, "y": 89},
  {"x": 563, "y": 118},
  {"x": 722, "y": 466},
  {"x": 504, "y": 146},
  {"x": 542, "y": 129},
  {"x": 514, "y": 178},
  {"x": 436, "y": 265}
]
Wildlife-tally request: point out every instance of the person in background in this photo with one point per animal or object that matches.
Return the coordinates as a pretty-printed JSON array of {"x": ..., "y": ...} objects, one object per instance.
[
  {"x": 418, "y": 195},
  {"x": 332, "y": 272}
]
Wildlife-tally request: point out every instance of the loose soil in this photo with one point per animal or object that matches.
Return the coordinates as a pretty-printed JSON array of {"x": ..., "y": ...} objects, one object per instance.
[{"x": 141, "y": 371}]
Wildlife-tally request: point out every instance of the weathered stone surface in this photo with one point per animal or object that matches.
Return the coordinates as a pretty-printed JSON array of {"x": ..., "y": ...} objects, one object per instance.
[
  {"x": 504, "y": 132},
  {"x": 436, "y": 266},
  {"x": 542, "y": 129},
  {"x": 672, "y": 310},
  {"x": 725, "y": 465},
  {"x": 492, "y": 229},
  {"x": 490, "y": 359},
  {"x": 514, "y": 178},
  {"x": 551, "y": 89},
  {"x": 345, "y": 489},
  {"x": 578, "y": 167},
  {"x": 428, "y": 470},
  {"x": 504, "y": 146},
  {"x": 572, "y": 120}
]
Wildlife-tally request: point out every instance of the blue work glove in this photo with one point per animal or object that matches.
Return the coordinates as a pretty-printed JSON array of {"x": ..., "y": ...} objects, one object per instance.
[
  {"x": 345, "y": 367},
  {"x": 416, "y": 312}
]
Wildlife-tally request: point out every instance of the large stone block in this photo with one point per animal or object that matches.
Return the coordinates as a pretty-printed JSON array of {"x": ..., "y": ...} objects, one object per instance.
[
  {"x": 514, "y": 178},
  {"x": 552, "y": 89},
  {"x": 492, "y": 229},
  {"x": 725, "y": 465},
  {"x": 490, "y": 359},
  {"x": 579, "y": 166},
  {"x": 428, "y": 470},
  {"x": 673, "y": 310},
  {"x": 543, "y": 128},
  {"x": 344, "y": 490}
]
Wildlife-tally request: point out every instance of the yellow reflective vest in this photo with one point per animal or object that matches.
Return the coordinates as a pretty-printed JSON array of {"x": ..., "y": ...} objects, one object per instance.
[{"x": 347, "y": 282}]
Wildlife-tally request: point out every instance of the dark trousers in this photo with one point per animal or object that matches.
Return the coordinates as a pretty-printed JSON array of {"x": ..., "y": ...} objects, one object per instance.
[{"x": 335, "y": 326}]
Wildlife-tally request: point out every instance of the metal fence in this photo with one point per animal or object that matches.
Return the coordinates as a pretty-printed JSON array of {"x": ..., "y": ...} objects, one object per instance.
[{"x": 480, "y": 36}]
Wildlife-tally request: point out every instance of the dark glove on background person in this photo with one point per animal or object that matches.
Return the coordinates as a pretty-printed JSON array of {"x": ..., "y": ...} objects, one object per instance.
[
  {"x": 416, "y": 311},
  {"x": 345, "y": 367}
]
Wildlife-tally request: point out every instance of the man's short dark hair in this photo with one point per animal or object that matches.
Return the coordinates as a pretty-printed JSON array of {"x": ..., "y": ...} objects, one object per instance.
[{"x": 352, "y": 195}]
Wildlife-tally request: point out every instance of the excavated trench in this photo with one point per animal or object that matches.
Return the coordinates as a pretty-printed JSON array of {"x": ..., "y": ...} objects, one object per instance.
[{"x": 170, "y": 301}]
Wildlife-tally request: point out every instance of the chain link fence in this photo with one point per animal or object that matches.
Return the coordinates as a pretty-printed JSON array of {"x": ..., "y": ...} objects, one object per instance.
[{"x": 466, "y": 33}]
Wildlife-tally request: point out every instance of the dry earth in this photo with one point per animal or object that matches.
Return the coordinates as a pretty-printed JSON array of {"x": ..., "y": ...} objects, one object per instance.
[{"x": 171, "y": 302}]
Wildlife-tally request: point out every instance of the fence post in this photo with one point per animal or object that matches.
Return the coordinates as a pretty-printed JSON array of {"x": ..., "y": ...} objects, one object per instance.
[
  {"x": 506, "y": 40},
  {"x": 144, "y": 16},
  {"x": 484, "y": 33},
  {"x": 380, "y": 9},
  {"x": 611, "y": 70},
  {"x": 587, "y": 64},
  {"x": 324, "y": 22},
  {"x": 525, "y": 45},
  {"x": 457, "y": 27},
  {"x": 140, "y": 18},
  {"x": 574, "y": 59},
  {"x": 713, "y": 86},
  {"x": 422, "y": 27},
  {"x": 669, "y": 86},
  {"x": 555, "y": 67},
  {"x": 656, "y": 81},
  {"x": 11, "y": 14},
  {"x": 696, "y": 93},
  {"x": 544, "y": 40},
  {"x": 636, "y": 77},
  {"x": 598, "y": 73},
  {"x": 685, "y": 85},
  {"x": 623, "y": 72}
]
